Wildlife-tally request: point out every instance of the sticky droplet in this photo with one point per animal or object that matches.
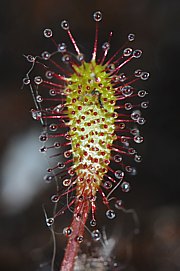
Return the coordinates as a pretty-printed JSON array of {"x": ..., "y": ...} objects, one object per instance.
[
  {"x": 110, "y": 214},
  {"x": 137, "y": 53},
  {"x": 26, "y": 81},
  {"x": 93, "y": 223},
  {"x": 97, "y": 16},
  {"x": 67, "y": 231},
  {"x": 38, "y": 80},
  {"x": 62, "y": 47},
  {"x": 50, "y": 221},
  {"x": 131, "y": 37},
  {"x": 65, "y": 25},
  {"x": 47, "y": 33},
  {"x": 119, "y": 174},
  {"x": 79, "y": 239},
  {"x": 127, "y": 51},
  {"x": 45, "y": 55},
  {"x": 125, "y": 186},
  {"x": 55, "y": 198},
  {"x": 96, "y": 235}
]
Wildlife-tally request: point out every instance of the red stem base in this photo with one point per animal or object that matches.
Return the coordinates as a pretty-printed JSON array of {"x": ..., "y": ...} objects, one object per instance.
[{"x": 78, "y": 223}]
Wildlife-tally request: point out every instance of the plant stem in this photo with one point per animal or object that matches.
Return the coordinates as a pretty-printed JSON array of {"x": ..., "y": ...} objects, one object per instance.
[{"x": 78, "y": 223}]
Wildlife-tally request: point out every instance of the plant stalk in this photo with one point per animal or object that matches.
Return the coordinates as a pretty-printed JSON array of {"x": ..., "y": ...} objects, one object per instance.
[{"x": 77, "y": 225}]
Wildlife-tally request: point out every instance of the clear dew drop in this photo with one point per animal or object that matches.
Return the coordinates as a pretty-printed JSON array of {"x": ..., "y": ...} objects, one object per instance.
[
  {"x": 92, "y": 223},
  {"x": 67, "y": 154},
  {"x": 96, "y": 235},
  {"x": 26, "y": 81},
  {"x": 142, "y": 93},
  {"x": 106, "y": 46},
  {"x": 52, "y": 92},
  {"x": 53, "y": 127},
  {"x": 118, "y": 204},
  {"x": 107, "y": 185},
  {"x": 65, "y": 25},
  {"x": 110, "y": 214},
  {"x": 43, "y": 149},
  {"x": 128, "y": 106},
  {"x": 38, "y": 80},
  {"x": 67, "y": 136},
  {"x": 57, "y": 145},
  {"x": 131, "y": 151},
  {"x": 134, "y": 171},
  {"x": 61, "y": 165},
  {"x": 125, "y": 186},
  {"x": 30, "y": 58},
  {"x": 138, "y": 158},
  {"x": 127, "y": 91},
  {"x": 62, "y": 47},
  {"x": 127, "y": 51},
  {"x": 66, "y": 58},
  {"x": 115, "y": 115},
  {"x": 43, "y": 137},
  {"x": 45, "y": 55},
  {"x": 55, "y": 198},
  {"x": 144, "y": 105},
  {"x": 115, "y": 79},
  {"x": 36, "y": 114},
  {"x": 135, "y": 115},
  {"x": 97, "y": 16},
  {"x": 138, "y": 139},
  {"x": 141, "y": 121},
  {"x": 50, "y": 221},
  {"x": 119, "y": 174},
  {"x": 145, "y": 75},
  {"x": 138, "y": 73},
  {"x": 80, "y": 57},
  {"x": 128, "y": 169},
  {"x": 131, "y": 170},
  {"x": 122, "y": 125},
  {"x": 71, "y": 172},
  {"x": 48, "y": 178},
  {"x": 111, "y": 67},
  {"x": 39, "y": 99},
  {"x": 58, "y": 108},
  {"x": 79, "y": 239},
  {"x": 134, "y": 131},
  {"x": 117, "y": 158},
  {"x": 47, "y": 33},
  {"x": 122, "y": 77},
  {"x": 67, "y": 231},
  {"x": 124, "y": 141},
  {"x": 131, "y": 37},
  {"x": 137, "y": 53},
  {"x": 49, "y": 74},
  {"x": 67, "y": 182}
]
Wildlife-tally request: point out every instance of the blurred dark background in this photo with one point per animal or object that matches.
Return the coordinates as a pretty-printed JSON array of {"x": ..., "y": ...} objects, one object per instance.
[{"x": 25, "y": 241}]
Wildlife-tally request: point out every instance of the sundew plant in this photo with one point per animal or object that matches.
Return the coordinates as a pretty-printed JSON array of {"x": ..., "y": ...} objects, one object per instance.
[{"x": 90, "y": 112}]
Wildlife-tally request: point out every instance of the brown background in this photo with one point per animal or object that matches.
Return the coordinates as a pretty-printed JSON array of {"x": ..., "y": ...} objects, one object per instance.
[{"x": 25, "y": 240}]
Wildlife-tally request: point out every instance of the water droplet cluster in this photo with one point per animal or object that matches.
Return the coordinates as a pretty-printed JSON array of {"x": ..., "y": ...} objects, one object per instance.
[{"x": 90, "y": 113}]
